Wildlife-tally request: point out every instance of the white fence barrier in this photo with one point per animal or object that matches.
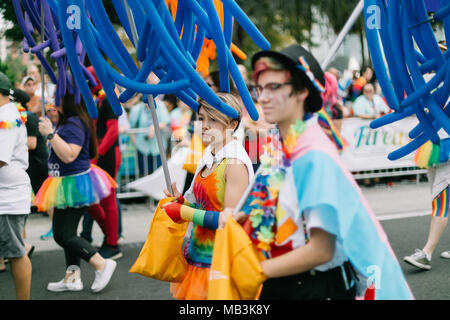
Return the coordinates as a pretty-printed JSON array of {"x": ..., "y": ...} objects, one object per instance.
[
  {"x": 367, "y": 151},
  {"x": 365, "y": 156}
]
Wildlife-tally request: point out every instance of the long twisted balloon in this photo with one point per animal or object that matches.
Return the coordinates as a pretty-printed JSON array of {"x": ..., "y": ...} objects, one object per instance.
[{"x": 404, "y": 53}]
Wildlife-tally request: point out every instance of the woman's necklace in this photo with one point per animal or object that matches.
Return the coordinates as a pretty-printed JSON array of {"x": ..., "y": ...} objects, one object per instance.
[
  {"x": 262, "y": 202},
  {"x": 22, "y": 119}
]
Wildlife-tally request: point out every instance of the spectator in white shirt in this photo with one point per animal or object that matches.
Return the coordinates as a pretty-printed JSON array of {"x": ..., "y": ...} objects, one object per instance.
[{"x": 369, "y": 105}]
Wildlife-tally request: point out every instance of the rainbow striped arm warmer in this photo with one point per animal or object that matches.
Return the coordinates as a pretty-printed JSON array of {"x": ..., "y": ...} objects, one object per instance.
[{"x": 206, "y": 219}]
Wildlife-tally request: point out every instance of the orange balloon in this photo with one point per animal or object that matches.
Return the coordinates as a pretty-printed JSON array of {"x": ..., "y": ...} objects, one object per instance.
[
  {"x": 172, "y": 5},
  {"x": 208, "y": 51}
]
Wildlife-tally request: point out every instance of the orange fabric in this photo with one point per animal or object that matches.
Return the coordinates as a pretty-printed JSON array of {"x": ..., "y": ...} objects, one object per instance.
[
  {"x": 194, "y": 286},
  {"x": 196, "y": 152},
  {"x": 287, "y": 229},
  {"x": 161, "y": 257},
  {"x": 236, "y": 272}
]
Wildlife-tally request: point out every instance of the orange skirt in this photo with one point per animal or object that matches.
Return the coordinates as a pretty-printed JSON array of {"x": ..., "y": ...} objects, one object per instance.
[{"x": 194, "y": 285}]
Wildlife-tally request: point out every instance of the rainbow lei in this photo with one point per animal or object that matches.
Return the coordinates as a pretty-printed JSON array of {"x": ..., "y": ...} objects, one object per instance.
[
  {"x": 19, "y": 121},
  {"x": 262, "y": 202}
]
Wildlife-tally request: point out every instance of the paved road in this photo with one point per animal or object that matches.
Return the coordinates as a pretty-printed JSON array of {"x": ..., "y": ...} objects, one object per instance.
[{"x": 403, "y": 211}]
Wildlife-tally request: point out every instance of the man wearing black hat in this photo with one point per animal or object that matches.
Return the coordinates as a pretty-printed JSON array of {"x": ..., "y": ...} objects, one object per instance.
[
  {"x": 315, "y": 239},
  {"x": 15, "y": 189}
]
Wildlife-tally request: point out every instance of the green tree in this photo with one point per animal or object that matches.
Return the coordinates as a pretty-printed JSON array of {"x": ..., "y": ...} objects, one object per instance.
[
  {"x": 279, "y": 21},
  {"x": 285, "y": 21},
  {"x": 13, "y": 68}
]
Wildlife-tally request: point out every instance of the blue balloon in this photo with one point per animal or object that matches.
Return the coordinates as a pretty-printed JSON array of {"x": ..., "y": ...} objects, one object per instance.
[
  {"x": 77, "y": 71},
  {"x": 166, "y": 46},
  {"x": 392, "y": 29}
]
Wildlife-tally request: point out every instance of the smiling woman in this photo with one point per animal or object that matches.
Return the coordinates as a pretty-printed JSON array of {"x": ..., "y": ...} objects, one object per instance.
[
  {"x": 221, "y": 177},
  {"x": 218, "y": 128}
]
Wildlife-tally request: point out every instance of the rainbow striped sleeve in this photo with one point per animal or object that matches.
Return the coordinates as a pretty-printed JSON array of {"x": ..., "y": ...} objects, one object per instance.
[{"x": 206, "y": 219}]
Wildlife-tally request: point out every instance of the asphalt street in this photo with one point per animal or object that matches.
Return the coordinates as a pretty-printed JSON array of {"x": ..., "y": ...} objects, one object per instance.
[{"x": 402, "y": 209}]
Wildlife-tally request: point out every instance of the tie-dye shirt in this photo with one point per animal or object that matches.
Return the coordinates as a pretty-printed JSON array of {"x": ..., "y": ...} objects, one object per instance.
[{"x": 209, "y": 194}]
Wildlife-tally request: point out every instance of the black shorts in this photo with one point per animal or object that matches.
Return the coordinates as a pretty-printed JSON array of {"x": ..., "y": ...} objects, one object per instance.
[{"x": 306, "y": 286}]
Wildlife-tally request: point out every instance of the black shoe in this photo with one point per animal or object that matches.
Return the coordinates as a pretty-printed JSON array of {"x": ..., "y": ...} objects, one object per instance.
[{"x": 110, "y": 252}]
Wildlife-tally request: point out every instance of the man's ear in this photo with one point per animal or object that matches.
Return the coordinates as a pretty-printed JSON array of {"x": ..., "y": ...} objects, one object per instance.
[
  {"x": 235, "y": 125},
  {"x": 303, "y": 94}
]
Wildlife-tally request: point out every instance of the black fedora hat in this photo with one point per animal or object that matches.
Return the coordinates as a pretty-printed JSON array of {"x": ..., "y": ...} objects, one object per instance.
[{"x": 298, "y": 59}]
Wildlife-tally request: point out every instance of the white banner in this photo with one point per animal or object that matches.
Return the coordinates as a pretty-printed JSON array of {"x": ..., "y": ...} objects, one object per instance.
[{"x": 368, "y": 148}]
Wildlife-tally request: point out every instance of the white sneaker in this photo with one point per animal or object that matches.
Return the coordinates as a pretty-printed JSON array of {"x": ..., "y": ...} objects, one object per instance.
[
  {"x": 71, "y": 282},
  {"x": 445, "y": 255},
  {"x": 418, "y": 259},
  {"x": 62, "y": 286},
  {"x": 102, "y": 277}
]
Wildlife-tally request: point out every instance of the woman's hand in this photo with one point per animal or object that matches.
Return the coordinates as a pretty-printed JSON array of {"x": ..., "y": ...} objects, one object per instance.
[
  {"x": 239, "y": 217},
  {"x": 175, "y": 194},
  {"x": 224, "y": 217},
  {"x": 45, "y": 126}
]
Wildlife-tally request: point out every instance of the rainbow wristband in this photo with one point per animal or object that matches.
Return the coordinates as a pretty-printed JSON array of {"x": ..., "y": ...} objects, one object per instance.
[{"x": 183, "y": 201}]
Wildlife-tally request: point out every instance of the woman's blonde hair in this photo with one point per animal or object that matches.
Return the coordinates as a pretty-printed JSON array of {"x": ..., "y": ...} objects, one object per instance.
[{"x": 231, "y": 100}]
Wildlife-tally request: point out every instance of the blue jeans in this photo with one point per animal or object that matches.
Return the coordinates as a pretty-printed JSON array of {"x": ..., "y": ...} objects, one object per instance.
[{"x": 148, "y": 163}]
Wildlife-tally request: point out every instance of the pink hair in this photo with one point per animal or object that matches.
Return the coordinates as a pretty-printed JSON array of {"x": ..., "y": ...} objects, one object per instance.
[
  {"x": 329, "y": 96},
  {"x": 268, "y": 63}
]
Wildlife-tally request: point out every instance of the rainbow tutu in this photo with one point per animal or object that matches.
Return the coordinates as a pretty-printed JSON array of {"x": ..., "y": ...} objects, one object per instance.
[{"x": 74, "y": 191}]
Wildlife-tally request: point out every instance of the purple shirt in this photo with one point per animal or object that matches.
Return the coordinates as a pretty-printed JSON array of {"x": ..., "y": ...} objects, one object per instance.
[{"x": 74, "y": 131}]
